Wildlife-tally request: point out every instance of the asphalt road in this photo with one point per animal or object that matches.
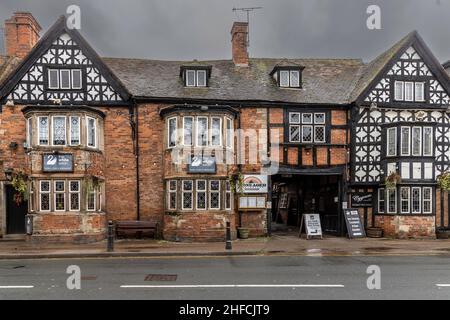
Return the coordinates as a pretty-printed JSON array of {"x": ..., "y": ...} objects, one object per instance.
[{"x": 230, "y": 278}]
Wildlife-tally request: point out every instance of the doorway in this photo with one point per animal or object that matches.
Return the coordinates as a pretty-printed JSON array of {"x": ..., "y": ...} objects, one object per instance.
[
  {"x": 294, "y": 195},
  {"x": 15, "y": 214}
]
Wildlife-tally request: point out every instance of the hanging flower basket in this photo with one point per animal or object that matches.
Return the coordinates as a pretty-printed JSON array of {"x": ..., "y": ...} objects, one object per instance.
[
  {"x": 392, "y": 180},
  {"x": 236, "y": 183},
  {"x": 443, "y": 181},
  {"x": 19, "y": 182}
]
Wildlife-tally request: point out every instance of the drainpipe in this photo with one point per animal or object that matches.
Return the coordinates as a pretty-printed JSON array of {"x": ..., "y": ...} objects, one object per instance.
[
  {"x": 135, "y": 127},
  {"x": 239, "y": 155}
]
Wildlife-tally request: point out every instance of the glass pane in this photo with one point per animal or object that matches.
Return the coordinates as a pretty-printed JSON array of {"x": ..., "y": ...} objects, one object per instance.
[
  {"x": 215, "y": 200},
  {"x": 190, "y": 78},
  {"x": 74, "y": 201},
  {"x": 319, "y": 134},
  {"x": 59, "y": 131},
  {"x": 187, "y": 185},
  {"x": 295, "y": 79},
  {"x": 416, "y": 200},
  {"x": 201, "y": 200},
  {"x": 45, "y": 201},
  {"x": 201, "y": 185},
  {"x": 416, "y": 141},
  {"x": 215, "y": 185},
  {"x": 45, "y": 186},
  {"x": 307, "y": 118},
  {"x": 59, "y": 201},
  {"x": 172, "y": 132},
  {"x": 202, "y": 131},
  {"x": 74, "y": 130},
  {"x": 284, "y": 78},
  {"x": 404, "y": 193},
  {"x": 392, "y": 141},
  {"x": 392, "y": 201},
  {"x": 418, "y": 92},
  {"x": 76, "y": 79},
  {"x": 399, "y": 90},
  {"x": 74, "y": 186},
  {"x": 173, "y": 185},
  {"x": 381, "y": 200},
  {"x": 43, "y": 130},
  {"x": 319, "y": 118},
  {"x": 306, "y": 133},
  {"x": 65, "y": 79},
  {"x": 215, "y": 131},
  {"x": 188, "y": 121},
  {"x": 428, "y": 141},
  {"x": 91, "y": 201},
  {"x": 59, "y": 185},
  {"x": 91, "y": 132},
  {"x": 405, "y": 141},
  {"x": 173, "y": 200},
  {"x": 229, "y": 133},
  {"x": 187, "y": 200},
  {"x": 409, "y": 91},
  {"x": 294, "y": 132},
  {"x": 53, "y": 79},
  {"x": 294, "y": 117},
  {"x": 201, "y": 78}
]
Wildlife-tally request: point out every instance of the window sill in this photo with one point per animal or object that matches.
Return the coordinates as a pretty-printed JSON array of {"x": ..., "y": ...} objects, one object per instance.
[{"x": 65, "y": 148}]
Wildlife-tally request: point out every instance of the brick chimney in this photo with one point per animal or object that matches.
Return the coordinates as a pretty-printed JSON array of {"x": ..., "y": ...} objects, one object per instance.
[
  {"x": 21, "y": 34},
  {"x": 239, "y": 34}
]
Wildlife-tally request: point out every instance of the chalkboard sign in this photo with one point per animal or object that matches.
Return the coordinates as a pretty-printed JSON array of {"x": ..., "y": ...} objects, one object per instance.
[
  {"x": 361, "y": 199},
  {"x": 355, "y": 228},
  {"x": 57, "y": 162},
  {"x": 312, "y": 225}
]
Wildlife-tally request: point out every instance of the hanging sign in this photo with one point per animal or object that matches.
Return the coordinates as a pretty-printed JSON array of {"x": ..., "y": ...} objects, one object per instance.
[
  {"x": 312, "y": 225},
  {"x": 361, "y": 199},
  {"x": 57, "y": 162},
  {"x": 355, "y": 228},
  {"x": 254, "y": 184}
]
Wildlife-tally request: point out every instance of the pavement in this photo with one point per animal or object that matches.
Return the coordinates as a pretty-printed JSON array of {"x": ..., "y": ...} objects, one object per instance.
[{"x": 283, "y": 244}]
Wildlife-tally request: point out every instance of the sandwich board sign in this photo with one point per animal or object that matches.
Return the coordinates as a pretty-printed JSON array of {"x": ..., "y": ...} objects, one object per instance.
[
  {"x": 355, "y": 228},
  {"x": 312, "y": 224}
]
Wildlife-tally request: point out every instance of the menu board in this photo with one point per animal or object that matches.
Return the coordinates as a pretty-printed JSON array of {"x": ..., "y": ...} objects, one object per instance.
[
  {"x": 355, "y": 228},
  {"x": 312, "y": 224}
]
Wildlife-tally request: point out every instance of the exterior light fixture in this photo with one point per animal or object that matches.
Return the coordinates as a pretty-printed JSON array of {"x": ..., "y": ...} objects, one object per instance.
[
  {"x": 8, "y": 173},
  {"x": 13, "y": 145}
]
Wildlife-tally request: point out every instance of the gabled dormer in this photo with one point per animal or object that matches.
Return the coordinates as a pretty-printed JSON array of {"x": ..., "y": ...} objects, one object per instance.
[
  {"x": 287, "y": 75},
  {"x": 195, "y": 75}
]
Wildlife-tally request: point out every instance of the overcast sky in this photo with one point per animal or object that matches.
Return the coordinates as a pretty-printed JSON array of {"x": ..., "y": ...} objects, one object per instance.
[{"x": 200, "y": 29}]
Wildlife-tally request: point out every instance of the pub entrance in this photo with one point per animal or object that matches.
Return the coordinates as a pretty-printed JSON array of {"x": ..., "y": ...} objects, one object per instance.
[
  {"x": 294, "y": 195},
  {"x": 15, "y": 213}
]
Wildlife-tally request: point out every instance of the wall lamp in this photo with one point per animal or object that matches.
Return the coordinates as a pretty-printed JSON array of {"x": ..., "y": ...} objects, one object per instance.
[{"x": 8, "y": 173}]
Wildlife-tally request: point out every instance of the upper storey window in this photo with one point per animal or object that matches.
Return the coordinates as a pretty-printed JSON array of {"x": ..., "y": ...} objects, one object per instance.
[
  {"x": 288, "y": 76},
  {"x": 64, "y": 79},
  {"x": 195, "y": 76},
  {"x": 307, "y": 127},
  {"x": 409, "y": 91}
]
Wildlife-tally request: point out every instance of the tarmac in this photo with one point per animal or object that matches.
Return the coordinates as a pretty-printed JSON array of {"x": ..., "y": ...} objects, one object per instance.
[{"x": 284, "y": 244}]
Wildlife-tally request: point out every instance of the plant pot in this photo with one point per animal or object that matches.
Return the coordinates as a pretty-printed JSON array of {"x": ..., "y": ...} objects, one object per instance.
[
  {"x": 374, "y": 232},
  {"x": 442, "y": 233},
  {"x": 243, "y": 233}
]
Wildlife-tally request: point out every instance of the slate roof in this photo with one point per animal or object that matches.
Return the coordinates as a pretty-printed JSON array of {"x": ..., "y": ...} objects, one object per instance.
[
  {"x": 446, "y": 66},
  {"x": 325, "y": 81}
]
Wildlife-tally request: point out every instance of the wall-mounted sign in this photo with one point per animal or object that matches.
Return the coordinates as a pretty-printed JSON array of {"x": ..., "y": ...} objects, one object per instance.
[
  {"x": 205, "y": 164},
  {"x": 254, "y": 184},
  {"x": 312, "y": 224},
  {"x": 57, "y": 162},
  {"x": 361, "y": 199},
  {"x": 354, "y": 225},
  {"x": 256, "y": 202}
]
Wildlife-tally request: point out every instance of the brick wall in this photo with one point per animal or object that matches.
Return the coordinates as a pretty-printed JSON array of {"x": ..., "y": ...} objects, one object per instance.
[{"x": 405, "y": 227}]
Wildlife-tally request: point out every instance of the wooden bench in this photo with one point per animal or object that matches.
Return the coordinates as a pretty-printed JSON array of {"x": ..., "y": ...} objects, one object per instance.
[{"x": 136, "y": 229}]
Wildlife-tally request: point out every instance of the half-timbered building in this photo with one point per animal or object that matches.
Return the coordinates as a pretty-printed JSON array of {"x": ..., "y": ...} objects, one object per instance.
[{"x": 193, "y": 145}]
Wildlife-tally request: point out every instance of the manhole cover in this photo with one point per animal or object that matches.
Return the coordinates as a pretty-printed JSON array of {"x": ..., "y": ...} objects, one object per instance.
[
  {"x": 161, "y": 277},
  {"x": 88, "y": 278}
]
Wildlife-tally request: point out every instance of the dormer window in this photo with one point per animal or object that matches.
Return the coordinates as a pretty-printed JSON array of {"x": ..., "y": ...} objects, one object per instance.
[
  {"x": 288, "y": 76},
  {"x": 195, "y": 77}
]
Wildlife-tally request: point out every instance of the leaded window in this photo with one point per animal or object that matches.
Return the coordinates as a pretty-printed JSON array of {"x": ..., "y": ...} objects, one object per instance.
[
  {"x": 187, "y": 194},
  {"x": 59, "y": 131},
  {"x": 75, "y": 131},
  {"x": 65, "y": 79},
  {"x": 392, "y": 141},
  {"x": 172, "y": 132},
  {"x": 392, "y": 200},
  {"x": 44, "y": 195},
  {"x": 43, "y": 130},
  {"x": 404, "y": 199},
  {"x": 29, "y": 132},
  {"x": 289, "y": 78},
  {"x": 381, "y": 200},
  {"x": 91, "y": 200},
  {"x": 59, "y": 195},
  {"x": 188, "y": 130},
  {"x": 307, "y": 127},
  {"x": 427, "y": 198},
  {"x": 405, "y": 140},
  {"x": 202, "y": 131},
  {"x": 227, "y": 195},
  {"x": 415, "y": 200},
  {"x": 229, "y": 132},
  {"x": 201, "y": 194},
  {"x": 214, "y": 194},
  {"x": 427, "y": 141},
  {"x": 416, "y": 141},
  {"x": 91, "y": 132},
  {"x": 74, "y": 195},
  {"x": 216, "y": 131},
  {"x": 172, "y": 194}
]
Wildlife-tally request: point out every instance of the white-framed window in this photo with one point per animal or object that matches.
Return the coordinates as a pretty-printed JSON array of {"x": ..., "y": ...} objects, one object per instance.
[
  {"x": 188, "y": 131},
  {"x": 214, "y": 194},
  {"x": 307, "y": 134},
  {"x": 294, "y": 133},
  {"x": 91, "y": 200},
  {"x": 77, "y": 79},
  {"x": 319, "y": 134},
  {"x": 74, "y": 137},
  {"x": 229, "y": 134},
  {"x": 202, "y": 131},
  {"x": 44, "y": 195},
  {"x": 91, "y": 128},
  {"x": 201, "y": 203},
  {"x": 43, "y": 128},
  {"x": 391, "y": 142},
  {"x": 405, "y": 140},
  {"x": 416, "y": 141},
  {"x": 404, "y": 199},
  {"x": 187, "y": 194},
  {"x": 284, "y": 78},
  {"x": 419, "y": 92},
  {"x": 289, "y": 78},
  {"x": 399, "y": 89},
  {"x": 392, "y": 200},
  {"x": 195, "y": 78},
  {"x": 294, "y": 78},
  {"x": 59, "y": 195},
  {"x": 307, "y": 127},
  {"x": 216, "y": 131},
  {"x": 59, "y": 131},
  {"x": 381, "y": 200},
  {"x": 409, "y": 91},
  {"x": 172, "y": 131},
  {"x": 74, "y": 195},
  {"x": 415, "y": 199},
  {"x": 29, "y": 132},
  {"x": 405, "y": 173},
  {"x": 53, "y": 79},
  {"x": 172, "y": 194},
  {"x": 307, "y": 118},
  {"x": 427, "y": 141},
  {"x": 64, "y": 77},
  {"x": 428, "y": 170},
  {"x": 427, "y": 198},
  {"x": 417, "y": 170},
  {"x": 228, "y": 197},
  {"x": 294, "y": 117}
]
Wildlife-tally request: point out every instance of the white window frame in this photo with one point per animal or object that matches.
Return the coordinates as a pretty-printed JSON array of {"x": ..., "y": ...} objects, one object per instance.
[
  {"x": 402, "y": 84},
  {"x": 297, "y": 84},
  {"x": 407, "y": 83},
  {"x": 324, "y": 133},
  {"x": 57, "y": 79},
  {"x": 300, "y": 136},
  {"x": 197, "y": 135},
  {"x": 408, "y": 144},
  {"x": 388, "y": 200},
  {"x": 53, "y": 131},
  {"x": 61, "y": 71},
  {"x": 431, "y": 141},
  {"x": 408, "y": 200},
  {"x": 94, "y": 192},
  {"x": 75, "y": 192},
  {"x": 214, "y": 191},
  {"x": 422, "y": 90},
  {"x": 299, "y": 117},
  {"x": 430, "y": 200},
  {"x": 427, "y": 170},
  {"x": 187, "y": 77},
  {"x": 220, "y": 131},
  {"x": 312, "y": 133},
  {"x": 49, "y": 192},
  {"x": 81, "y": 79},
  {"x": 59, "y": 192},
  {"x": 169, "y": 133},
  {"x": 420, "y": 142},
  {"x": 39, "y": 131},
  {"x": 171, "y": 191},
  {"x": 417, "y": 165},
  {"x": 70, "y": 131},
  {"x": 30, "y": 132},
  {"x": 183, "y": 192},
  {"x": 205, "y": 191},
  {"x": 198, "y": 72},
  {"x": 381, "y": 191},
  {"x": 405, "y": 170},
  {"x": 311, "y": 116},
  {"x": 192, "y": 130},
  {"x": 412, "y": 200},
  {"x": 287, "y": 83},
  {"x": 388, "y": 135},
  {"x": 95, "y": 132},
  {"x": 229, "y": 133}
]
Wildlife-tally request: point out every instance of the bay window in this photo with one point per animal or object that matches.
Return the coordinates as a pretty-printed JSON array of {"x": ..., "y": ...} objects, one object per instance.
[
  {"x": 74, "y": 131},
  {"x": 59, "y": 195},
  {"x": 414, "y": 141},
  {"x": 188, "y": 130},
  {"x": 172, "y": 132},
  {"x": 43, "y": 130},
  {"x": 74, "y": 195},
  {"x": 91, "y": 132},
  {"x": 411, "y": 199},
  {"x": 202, "y": 131},
  {"x": 391, "y": 141},
  {"x": 59, "y": 130}
]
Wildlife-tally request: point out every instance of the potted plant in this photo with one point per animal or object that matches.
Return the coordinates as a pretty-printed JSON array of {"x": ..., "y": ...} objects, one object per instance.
[
  {"x": 442, "y": 232},
  {"x": 391, "y": 181},
  {"x": 374, "y": 232},
  {"x": 236, "y": 183},
  {"x": 19, "y": 181},
  {"x": 243, "y": 232},
  {"x": 443, "y": 181}
]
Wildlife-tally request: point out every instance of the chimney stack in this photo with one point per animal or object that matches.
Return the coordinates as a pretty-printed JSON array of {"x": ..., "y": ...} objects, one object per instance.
[
  {"x": 21, "y": 34},
  {"x": 239, "y": 44}
]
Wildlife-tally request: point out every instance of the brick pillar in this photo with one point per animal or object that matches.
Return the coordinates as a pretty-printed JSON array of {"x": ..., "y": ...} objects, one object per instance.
[
  {"x": 239, "y": 34},
  {"x": 21, "y": 34}
]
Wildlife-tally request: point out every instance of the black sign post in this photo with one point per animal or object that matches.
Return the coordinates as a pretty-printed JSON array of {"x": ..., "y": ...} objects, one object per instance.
[
  {"x": 361, "y": 199},
  {"x": 355, "y": 228}
]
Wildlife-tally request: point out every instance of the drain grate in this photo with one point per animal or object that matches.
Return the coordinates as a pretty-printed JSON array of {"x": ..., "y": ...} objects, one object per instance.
[
  {"x": 87, "y": 278},
  {"x": 161, "y": 277}
]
